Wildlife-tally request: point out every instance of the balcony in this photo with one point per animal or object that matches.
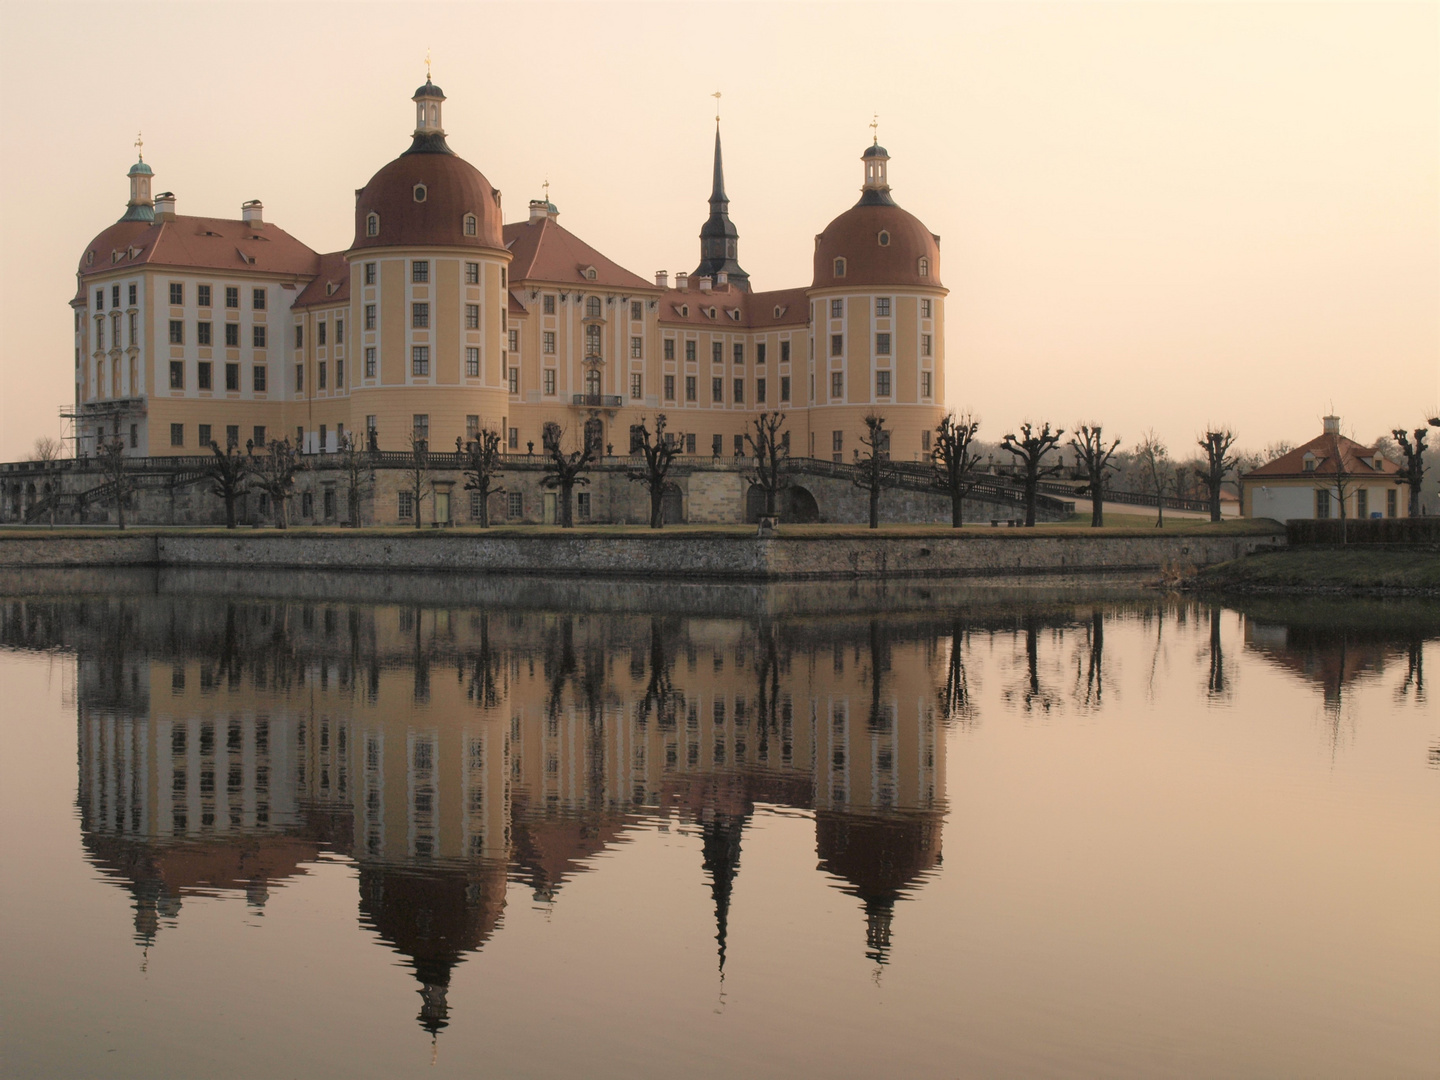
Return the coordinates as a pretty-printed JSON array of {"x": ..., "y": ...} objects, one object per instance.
[{"x": 596, "y": 401}]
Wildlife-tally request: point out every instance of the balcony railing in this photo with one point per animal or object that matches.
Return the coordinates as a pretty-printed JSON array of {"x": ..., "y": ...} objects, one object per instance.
[{"x": 596, "y": 401}]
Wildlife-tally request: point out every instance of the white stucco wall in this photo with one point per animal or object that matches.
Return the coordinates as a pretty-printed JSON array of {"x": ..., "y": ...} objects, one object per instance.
[{"x": 1283, "y": 503}]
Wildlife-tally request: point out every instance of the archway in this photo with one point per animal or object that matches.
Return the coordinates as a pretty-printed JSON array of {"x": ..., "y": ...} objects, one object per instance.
[{"x": 795, "y": 505}]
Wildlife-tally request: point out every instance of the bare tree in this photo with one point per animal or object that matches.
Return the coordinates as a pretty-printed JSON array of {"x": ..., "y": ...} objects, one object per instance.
[
  {"x": 483, "y": 463},
  {"x": 275, "y": 472},
  {"x": 871, "y": 472},
  {"x": 112, "y": 463},
  {"x": 1092, "y": 453},
  {"x": 47, "y": 452},
  {"x": 418, "y": 480},
  {"x": 1216, "y": 442},
  {"x": 229, "y": 471},
  {"x": 566, "y": 469},
  {"x": 357, "y": 466},
  {"x": 955, "y": 462},
  {"x": 1155, "y": 462},
  {"x": 770, "y": 450},
  {"x": 1412, "y": 471},
  {"x": 1340, "y": 480},
  {"x": 1030, "y": 448},
  {"x": 657, "y": 455}
]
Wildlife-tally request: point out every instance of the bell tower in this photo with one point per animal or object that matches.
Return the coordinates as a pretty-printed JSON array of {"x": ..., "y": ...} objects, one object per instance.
[
  {"x": 719, "y": 239},
  {"x": 141, "y": 206}
]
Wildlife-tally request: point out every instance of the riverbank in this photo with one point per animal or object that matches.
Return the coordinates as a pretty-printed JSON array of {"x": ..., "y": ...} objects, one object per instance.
[
  {"x": 1355, "y": 571},
  {"x": 797, "y": 553}
]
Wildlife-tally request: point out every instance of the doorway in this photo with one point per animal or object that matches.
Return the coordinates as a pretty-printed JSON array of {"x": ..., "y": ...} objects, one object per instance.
[{"x": 549, "y": 514}]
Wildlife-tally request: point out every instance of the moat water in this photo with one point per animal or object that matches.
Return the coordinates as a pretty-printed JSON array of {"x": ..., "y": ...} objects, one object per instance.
[{"x": 354, "y": 826}]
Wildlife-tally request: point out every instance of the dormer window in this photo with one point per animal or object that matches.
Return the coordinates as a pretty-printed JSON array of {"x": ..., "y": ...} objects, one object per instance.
[
  {"x": 590, "y": 274},
  {"x": 924, "y": 266},
  {"x": 1377, "y": 462},
  {"x": 372, "y": 225},
  {"x": 884, "y": 238},
  {"x": 684, "y": 311},
  {"x": 779, "y": 311},
  {"x": 469, "y": 224},
  {"x": 1309, "y": 463},
  {"x": 419, "y": 192},
  {"x": 839, "y": 267},
  {"x": 90, "y": 258}
]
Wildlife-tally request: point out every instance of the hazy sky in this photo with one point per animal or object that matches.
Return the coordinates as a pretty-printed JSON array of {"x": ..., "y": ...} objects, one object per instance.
[{"x": 1151, "y": 214}]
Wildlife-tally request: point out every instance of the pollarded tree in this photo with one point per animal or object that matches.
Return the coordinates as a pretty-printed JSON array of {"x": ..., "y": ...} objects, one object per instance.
[
  {"x": 870, "y": 466},
  {"x": 1030, "y": 448},
  {"x": 358, "y": 468},
  {"x": 483, "y": 464},
  {"x": 275, "y": 473},
  {"x": 566, "y": 470},
  {"x": 1412, "y": 471},
  {"x": 1094, "y": 455},
  {"x": 955, "y": 462},
  {"x": 770, "y": 450},
  {"x": 657, "y": 454},
  {"x": 229, "y": 472},
  {"x": 121, "y": 483},
  {"x": 1216, "y": 442}
]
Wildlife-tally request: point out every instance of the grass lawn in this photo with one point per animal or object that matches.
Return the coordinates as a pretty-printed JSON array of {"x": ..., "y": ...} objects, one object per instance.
[{"x": 1328, "y": 568}]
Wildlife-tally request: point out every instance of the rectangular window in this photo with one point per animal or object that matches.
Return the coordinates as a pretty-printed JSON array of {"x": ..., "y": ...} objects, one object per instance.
[
  {"x": 419, "y": 272},
  {"x": 257, "y": 336},
  {"x": 637, "y": 385},
  {"x": 837, "y": 344},
  {"x": 339, "y": 374},
  {"x": 739, "y": 353},
  {"x": 232, "y": 335},
  {"x": 512, "y": 439},
  {"x": 203, "y": 431},
  {"x": 99, "y": 299},
  {"x": 636, "y": 348},
  {"x": 115, "y": 296},
  {"x": 232, "y": 434},
  {"x": 472, "y": 316},
  {"x": 1322, "y": 503},
  {"x": 320, "y": 372},
  {"x": 134, "y": 327},
  {"x": 258, "y": 378},
  {"x": 669, "y": 387},
  {"x": 1391, "y": 502},
  {"x": 739, "y": 445},
  {"x": 472, "y": 361},
  {"x": 299, "y": 378},
  {"x": 550, "y": 382},
  {"x": 760, "y": 352},
  {"x": 637, "y": 310},
  {"x": 784, "y": 387},
  {"x": 882, "y": 307},
  {"x": 690, "y": 351},
  {"x": 472, "y": 273},
  {"x": 717, "y": 390},
  {"x": 420, "y": 316},
  {"x": 582, "y": 505},
  {"x": 515, "y": 505},
  {"x": 369, "y": 273},
  {"x": 925, "y": 309},
  {"x": 1362, "y": 504},
  {"x": 717, "y": 353},
  {"x": 258, "y": 439},
  {"x": 177, "y": 293},
  {"x": 177, "y": 375},
  {"x": 202, "y": 295},
  {"x": 299, "y": 337},
  {"x": 837, "y": 309},
  {"x": 339, "y": 331},
  {"x": 420, "y": 360},
  {"x": 548, "y": 304},
  {"x": 369, "y": 316},
  {"x": 784, "y": 352},
  {"x": 882, "y": 384},
  {"x": 691, "y": 394},
  {"x": 837, "y": 384},
  {"x": 177, "y": 332},
  {"x": 202, "y": 333},
  {"x": 837, "y": 441},
  {"x": 717, "y": 445},
  {"x": 669, "y": 349},
  {"x": 320, "y": 334},
  {"x": 739, "y": 391},
  {"x": 924, "y": 344},
  {"x": 925, "y": 385},
  {"x": 257, "y": 299},
  {"x": 513, "y": 377},
  {"x": 514, "y": 341},
  {"x": 133, "y": 295},
  {"x": 759, "y": 391},
  {"x": 232, "y": 376},
  {"x": 690, "y": 442},
  {"x": 177, "y": 434},
  {"x": 549, "y": 343},
  {"x": 882, "y": 344},
  {"x": 370, "y": 361},
  {"x": 203, "y": 380},
  {"x": 406, "y": 507},
  {"x": 232, "y": 296},
  {"x": 472, "y": 427},
  {"x": 420, "y": 427}
]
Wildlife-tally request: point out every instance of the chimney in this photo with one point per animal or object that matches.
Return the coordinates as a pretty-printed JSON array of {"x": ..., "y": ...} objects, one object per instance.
[
  {"x": 541, "y": 209},
  {"x": 165, "y": 206},
  {"x": 682, "y": 279},
  {"x": 1332, "y": 423},
  {"x": 662, "y": 278},
  {"x": 721, "y": 279},
  {"x": 705, "y": 283},
  {"x": 253, "y": 213}
]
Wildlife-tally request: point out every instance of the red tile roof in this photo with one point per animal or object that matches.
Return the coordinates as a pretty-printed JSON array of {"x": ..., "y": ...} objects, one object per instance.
[
  {"x": 1358, "y": 460},
  {"x": 546, "y": 251},
  {"x": 331, "y": 286},
  {"x": 199, "y": 243},
  {"x": 756, "y": 311}
]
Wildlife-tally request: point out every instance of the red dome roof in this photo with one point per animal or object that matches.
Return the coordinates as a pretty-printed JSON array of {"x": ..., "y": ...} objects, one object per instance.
[
  {"x": 856, "y": 237},
  {"x": 453, "y": 188}
]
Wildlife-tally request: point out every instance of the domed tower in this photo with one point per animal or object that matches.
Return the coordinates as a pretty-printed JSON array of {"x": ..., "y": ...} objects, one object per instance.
[
  {"x": 428, "y": 293},
  {"x": 878, "y": 320}
]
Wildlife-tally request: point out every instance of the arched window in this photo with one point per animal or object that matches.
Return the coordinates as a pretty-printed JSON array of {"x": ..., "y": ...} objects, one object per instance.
[
  {"x": 372, "y": 225},
  {"x": 839, "y": 267},
  {"x": 592, "y": 341},
  {"x": 924, "y": 266},
  {"x": 419, "y": 192},
  {"x": 469, "y": 224},
  {"x": 434, "y": 114},
  {"x": 884, "y": 238},
  {"x": 592, "y": 307}
]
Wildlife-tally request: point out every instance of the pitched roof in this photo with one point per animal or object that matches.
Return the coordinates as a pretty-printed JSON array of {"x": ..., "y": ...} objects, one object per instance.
[
  {"x": 1357, "y": 459},
  {"x": 546, "y": 251},
  {"x": 331, "y": 286},
  {"x": 735, "y": 308},
  {"x": 199, "y": 243}
]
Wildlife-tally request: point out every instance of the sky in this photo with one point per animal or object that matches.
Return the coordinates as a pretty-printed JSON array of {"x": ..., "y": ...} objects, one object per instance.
[{"x": 1152, "y": 215}]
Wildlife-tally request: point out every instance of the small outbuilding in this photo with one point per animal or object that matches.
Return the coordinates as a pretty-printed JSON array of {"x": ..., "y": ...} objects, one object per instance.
[{"x": 1310, "y": 481}]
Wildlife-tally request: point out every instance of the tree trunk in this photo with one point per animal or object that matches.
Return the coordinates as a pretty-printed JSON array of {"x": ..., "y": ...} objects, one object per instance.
[
  {"x": 957, "y": 510},
  {"x": 1097, "y": 503},
  {"x": 282, "y": 511},
  {"x": 230, "y": 510},
  {"x": 657, "y": 509},
  {"x": 874, "y": 506},
  {"x": 484, "y": 508},
  {"x": 1215, "y": 501},
  {"x": 119, "y": 505},
  {"x": 566, "y": 521},
  {"x": 1032, "y": 485}
]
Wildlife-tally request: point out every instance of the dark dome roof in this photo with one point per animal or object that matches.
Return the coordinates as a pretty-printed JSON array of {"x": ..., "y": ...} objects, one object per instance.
[
  {"x": 855, "y": 237},
  {"x": 875, "y": 151},
  {"x": 430, "y": 90},
  {"x": 453, "y": 188}
]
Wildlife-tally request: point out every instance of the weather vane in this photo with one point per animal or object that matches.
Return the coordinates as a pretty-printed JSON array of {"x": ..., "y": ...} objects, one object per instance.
[
  {"x": 546, "y": 186},
  {"x": 427, "y": 63},
  {"x": 875, "y": 128},
  {"x": 140, "y": 144},
  {"x": 716, "y": 96}
]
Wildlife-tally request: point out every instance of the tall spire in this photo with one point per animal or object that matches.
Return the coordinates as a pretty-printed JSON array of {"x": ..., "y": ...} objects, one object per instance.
[{"x": 719, "y": 239}]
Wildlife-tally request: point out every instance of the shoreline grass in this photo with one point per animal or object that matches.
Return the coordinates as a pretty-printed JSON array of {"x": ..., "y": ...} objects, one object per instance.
[{"x": 1357, "y": 569}]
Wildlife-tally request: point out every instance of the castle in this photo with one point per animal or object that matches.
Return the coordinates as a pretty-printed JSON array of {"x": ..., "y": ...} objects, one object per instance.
[{"x": 440, "y": 320}]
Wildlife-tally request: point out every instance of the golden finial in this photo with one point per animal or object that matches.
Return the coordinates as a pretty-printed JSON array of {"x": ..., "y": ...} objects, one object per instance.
[
  {"x": 140, "y": 144},
  {"x": 716, "y": 96},
  {"x": 546, "y": 186},
  {"x": 875, "y": 128},
  {"x": 427, "y": 63}
]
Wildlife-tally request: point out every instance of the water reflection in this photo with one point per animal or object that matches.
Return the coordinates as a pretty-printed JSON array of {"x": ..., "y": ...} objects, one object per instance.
[{"x": 451, "y": 750}]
